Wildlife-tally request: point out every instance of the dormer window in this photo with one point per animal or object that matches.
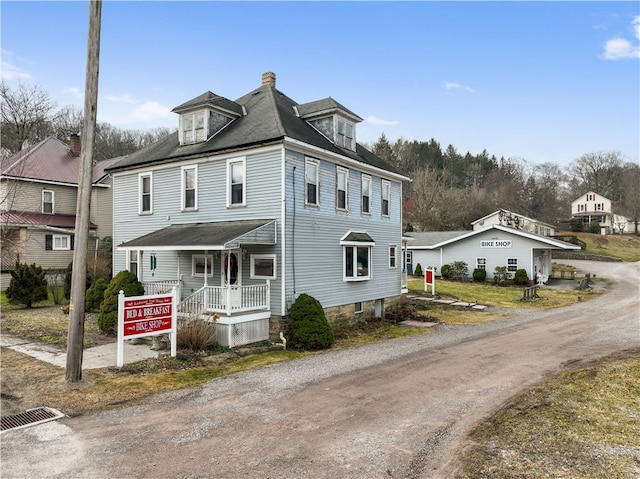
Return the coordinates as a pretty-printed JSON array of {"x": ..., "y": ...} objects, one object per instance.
[
  {"x": 345, "y": 135},
  {"x": 205, "y": 116},
  {"x": 193, "y": 128},
  {"x": 333, "y": 120}
]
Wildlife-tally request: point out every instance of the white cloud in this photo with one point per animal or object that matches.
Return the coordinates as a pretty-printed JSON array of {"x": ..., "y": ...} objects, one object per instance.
[
  {"x": 74, "y": 92},
  {"x": 457, "y": 86},
  {"x": 378, "y": 121},
  {"x": 621, "y": 48},
  {"x": 12, "y": 72},
  {"x": 124, "y": 98},
  {"x": 151, "y": 110}
]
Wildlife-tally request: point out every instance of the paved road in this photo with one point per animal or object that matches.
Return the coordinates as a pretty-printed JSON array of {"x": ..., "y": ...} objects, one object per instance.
[{"x": 397, "y": 409}]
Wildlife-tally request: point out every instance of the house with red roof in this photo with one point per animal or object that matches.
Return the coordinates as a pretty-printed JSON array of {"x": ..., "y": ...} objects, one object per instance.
[{"x": 38, "y": 196}]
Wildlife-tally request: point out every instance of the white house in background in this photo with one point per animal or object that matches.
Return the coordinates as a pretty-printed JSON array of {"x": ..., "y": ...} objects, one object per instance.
[
  {"x": 254, "y": 201},
  {"x": 508, "y": 218},
  {"x": 486, "y": 248},
  {"x": 592, "y": 207}
]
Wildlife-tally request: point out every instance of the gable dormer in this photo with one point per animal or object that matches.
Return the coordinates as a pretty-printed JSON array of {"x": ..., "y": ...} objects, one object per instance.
[
  {"x": 204, "y": 116},
  {"x": 333, "y": 120}
]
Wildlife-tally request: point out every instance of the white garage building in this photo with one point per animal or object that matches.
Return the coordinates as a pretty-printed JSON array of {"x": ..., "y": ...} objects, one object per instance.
[{"x": 486, "y": 248}]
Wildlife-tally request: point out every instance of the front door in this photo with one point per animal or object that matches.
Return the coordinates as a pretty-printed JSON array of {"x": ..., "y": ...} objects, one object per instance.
[{"x": 231, "y": 270}]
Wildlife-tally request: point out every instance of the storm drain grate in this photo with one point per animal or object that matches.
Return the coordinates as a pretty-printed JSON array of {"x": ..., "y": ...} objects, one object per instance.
[{"x": 31, "y": 417}]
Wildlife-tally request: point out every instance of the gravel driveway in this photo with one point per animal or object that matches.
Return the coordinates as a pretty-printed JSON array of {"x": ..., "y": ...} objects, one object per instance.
[{"x": 400, "y": 408}]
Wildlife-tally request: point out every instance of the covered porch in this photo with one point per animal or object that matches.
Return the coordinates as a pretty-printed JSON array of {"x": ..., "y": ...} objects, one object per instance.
[{"x": 221, "y": 272}]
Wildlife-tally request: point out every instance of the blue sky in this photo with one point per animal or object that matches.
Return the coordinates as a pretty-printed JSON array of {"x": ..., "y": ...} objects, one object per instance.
[{"x": 539, "y": 81}]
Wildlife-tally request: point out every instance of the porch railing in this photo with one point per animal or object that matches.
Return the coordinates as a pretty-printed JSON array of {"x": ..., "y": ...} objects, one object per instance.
[
  {"x": 160, "y": 287},
  {"x": 228, "y": 300}
]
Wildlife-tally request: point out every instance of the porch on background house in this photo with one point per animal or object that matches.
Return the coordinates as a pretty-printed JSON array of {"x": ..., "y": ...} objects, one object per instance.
[{"x": 241, "y": 312}]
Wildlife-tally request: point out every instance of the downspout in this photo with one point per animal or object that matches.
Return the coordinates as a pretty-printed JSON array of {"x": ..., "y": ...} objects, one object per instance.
[{"x": 293, "y": 234}]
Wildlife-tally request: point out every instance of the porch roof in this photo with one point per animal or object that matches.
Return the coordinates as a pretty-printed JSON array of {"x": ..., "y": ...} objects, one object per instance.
[{"x": 218, "y": 235}]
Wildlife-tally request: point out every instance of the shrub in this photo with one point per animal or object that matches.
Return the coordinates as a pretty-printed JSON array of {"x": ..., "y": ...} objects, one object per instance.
[
  {"x": 594, "y": 227},
  {"x": 500, "y": 274},
  {"x": 95, "y": 295},
  {"x": 125, "y": 281},
  {"x": 195, "y": 334},
  {"x": 28, "y": 285},
  {"x": 479, "y": 275},
  {"x": 521, "y": 277},
  {"x": 308, "y": 325},
  {"x": 444, "y": 271},
  {"x": 459, "y": 270},
  {"x": 418, "y": 270},
  {"x": 576, "y": 225}
]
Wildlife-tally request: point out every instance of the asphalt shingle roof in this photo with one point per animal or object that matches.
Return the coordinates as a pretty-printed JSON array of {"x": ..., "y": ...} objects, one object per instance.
[{"x": 270, "y": 117}]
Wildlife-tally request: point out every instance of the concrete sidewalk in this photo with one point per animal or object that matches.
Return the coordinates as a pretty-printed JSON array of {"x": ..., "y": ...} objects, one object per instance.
[{"x": 92, "y": 358}]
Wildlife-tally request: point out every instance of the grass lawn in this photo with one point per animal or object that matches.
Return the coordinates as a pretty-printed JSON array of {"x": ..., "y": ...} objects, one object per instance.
[{"x": 625, "y": 247}]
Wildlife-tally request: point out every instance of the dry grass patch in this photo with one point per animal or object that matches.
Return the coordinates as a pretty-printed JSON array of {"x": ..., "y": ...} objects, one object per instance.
[{"x": 584, "y": 424}]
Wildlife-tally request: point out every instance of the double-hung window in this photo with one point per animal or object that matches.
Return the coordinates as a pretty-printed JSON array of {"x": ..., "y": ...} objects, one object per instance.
[
  {"x": 356, "y": 248},
  {"x": 189, "y": 188},
  {"x": 47, "y": 202},
  {"x": 512, "y": 265},
  {"x": 133, "y": 261},
  {"x": 366, "y": 194},
  {"x": 393, "y": 249},
  {"x": 386, "y": 194},
  {"x": 342, "y": 182},
  {"x": 61, "y": 242},
  {"x": 481, "y": 263},
  {"x": 311, "y": 181},
  {"x": 236, "y": 188},
  {"x": 145, "y": 192}
]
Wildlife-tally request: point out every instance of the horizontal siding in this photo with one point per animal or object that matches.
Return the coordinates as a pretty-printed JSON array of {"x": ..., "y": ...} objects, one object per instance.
[
  {"x": 262, "y": 202},
  {"x": 314, "y": 254},
  {"x": 25, "y": 196}
]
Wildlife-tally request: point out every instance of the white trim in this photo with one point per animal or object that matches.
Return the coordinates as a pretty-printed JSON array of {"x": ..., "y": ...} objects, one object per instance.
[
  {"x": 362, "y": 178},
  {"x": 254, "y": 257},
  {"x": 345, "y": 171},
  {"x": 316, "y": 162},
  {"x": 61, "y": 237},
  {"x": 53, "y": 202},
  {"x": 183, "y": 188},
  {"x": 382, "y": 188},
  {"x": 355, "y": 247},
  {"x": 230, "y": 163},
  {"x": 208, "y": 262},
  {"x": 141, "y": 176},
  {"x": 395, "y": 256}
]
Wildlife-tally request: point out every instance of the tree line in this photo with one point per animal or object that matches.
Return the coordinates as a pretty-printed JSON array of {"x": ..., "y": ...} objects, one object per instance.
[{"x": 449, "y": 190}]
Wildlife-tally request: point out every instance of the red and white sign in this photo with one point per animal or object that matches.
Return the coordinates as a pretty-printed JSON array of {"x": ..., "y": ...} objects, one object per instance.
[
  {"x": 140, "y": 316},
  {"x": 149, "y": 315},
  {"x": 430, "y": 280}
]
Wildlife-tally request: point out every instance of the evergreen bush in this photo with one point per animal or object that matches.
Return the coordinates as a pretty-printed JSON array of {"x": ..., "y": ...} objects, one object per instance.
[
  {"x": 95, "y": 295},
  {"x": 125, "y": 281},
  {"x": 576, "y": 225},
  {"x": 444, "y": 271},
  {"x": 418, "y": 270},
  {"x": 521, "y": 277},
  {"x": 308, "y": 325},
  {"x": 479, "y": 275},
  {"x": 28, "y": 285}
]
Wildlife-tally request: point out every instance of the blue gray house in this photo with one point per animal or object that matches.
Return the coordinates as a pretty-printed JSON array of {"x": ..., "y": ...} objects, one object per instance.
[{"x": 255, "y": 201}]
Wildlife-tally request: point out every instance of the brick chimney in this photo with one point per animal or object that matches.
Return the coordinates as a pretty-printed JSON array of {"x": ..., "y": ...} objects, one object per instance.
[
  {"x": 269, "y": 78},
  {"x": 74, "y": 143}
]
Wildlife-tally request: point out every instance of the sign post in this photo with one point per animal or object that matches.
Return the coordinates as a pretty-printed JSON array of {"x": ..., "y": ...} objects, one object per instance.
[
  {"x": 141, "y": 316},
  {"x": 430, "y": 280}
]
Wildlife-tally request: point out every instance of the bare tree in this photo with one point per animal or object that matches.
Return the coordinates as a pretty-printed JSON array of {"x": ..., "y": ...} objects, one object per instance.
[
  {"x": 599, "y": 172},
  {"x": 25, "y": 115}
]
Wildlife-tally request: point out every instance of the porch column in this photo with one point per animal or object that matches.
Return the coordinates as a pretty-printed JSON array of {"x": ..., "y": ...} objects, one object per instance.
[{"x": 206, "y": 289}]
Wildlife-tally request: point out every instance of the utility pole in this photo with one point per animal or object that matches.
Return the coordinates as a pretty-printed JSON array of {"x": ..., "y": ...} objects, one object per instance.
[{"x": 75, "y": 337}]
